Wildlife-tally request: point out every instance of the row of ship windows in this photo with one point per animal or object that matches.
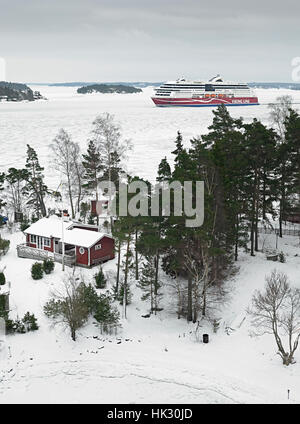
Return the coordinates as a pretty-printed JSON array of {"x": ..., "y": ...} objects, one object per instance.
[
  {"x": 204, "y": 95},
  {"x": 217, "y": 87},
  {"x": 195, "y": 89}
]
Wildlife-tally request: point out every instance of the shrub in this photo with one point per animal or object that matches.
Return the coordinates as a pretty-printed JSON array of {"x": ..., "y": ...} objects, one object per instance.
[
  {"x": 2, "y": 303},
  {"x": 19, "y": 326},
  {"x": 216, "y": 325},
  {"x": 37, "y": 271},
  {"x": 2, "y": 279},
  {"x": 91, "y": 220},
  {"x": 4, "y": 246},
  {"x": 9, "y": 326},
  {"x": 30, "y": 322},
  {"x": 281, "y": 257},
  {"x": 34, "y": 219},
  {"x": 24, "y": 224},
  {"x": 90, "y": 297},
  {"x": 48, "y": 266},
  {"x": 107, "y": 315},
  {"x": 100, "y": 279}
]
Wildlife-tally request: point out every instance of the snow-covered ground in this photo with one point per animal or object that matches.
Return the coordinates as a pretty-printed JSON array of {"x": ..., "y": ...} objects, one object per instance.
[{"x": 153, "y": 359}]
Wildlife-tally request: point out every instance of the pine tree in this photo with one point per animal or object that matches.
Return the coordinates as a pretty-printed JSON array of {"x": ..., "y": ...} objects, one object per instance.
[
  {"x": 164, "y": 171},
  {"x": 100, "y": 279},
  {"x": 93, "y": 168},
  {"x": 16, "y": 179},
  {"x": 149, "y": 284},
  {"x": 2, "y": 178},
  {"x": 292, "y": 164},
  {"x": 35, "y": 188},
  {"x": 260, "y": 145}
]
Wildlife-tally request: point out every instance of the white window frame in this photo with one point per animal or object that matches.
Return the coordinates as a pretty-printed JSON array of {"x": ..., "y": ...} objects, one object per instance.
[
  {"x": 98, "y": 246},
  {"x": 46, "y": 242},
  {"x": 33, "y": 238}
]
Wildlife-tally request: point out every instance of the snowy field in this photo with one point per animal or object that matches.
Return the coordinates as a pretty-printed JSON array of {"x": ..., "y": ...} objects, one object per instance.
[
  {"x": 151, "y": 360},
  {"x": 151, "y": 129}
]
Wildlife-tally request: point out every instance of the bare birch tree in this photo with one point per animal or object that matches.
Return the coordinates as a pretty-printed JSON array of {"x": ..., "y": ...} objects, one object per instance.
[
  {"x": 66, "y": 160},
  {"x": 277, "y": 311},
  {"x": 279, "y": 111},
  {"x": 113, "y": 150}
]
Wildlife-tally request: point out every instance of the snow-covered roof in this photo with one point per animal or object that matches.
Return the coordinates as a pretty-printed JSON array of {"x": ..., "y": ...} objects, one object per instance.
[
  {"x": 48, "y": 227},
  {"x": 84, "y": 238},
  {"x": 52, "y": 227}
]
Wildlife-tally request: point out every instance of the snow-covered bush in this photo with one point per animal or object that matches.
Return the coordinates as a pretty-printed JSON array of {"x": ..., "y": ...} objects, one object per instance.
[
  {"x": 37, "y": 271},
  {"x": 21, "y": 326},
  {"x": 30, "y": 322},
  {"x": 48, "y": 266}
]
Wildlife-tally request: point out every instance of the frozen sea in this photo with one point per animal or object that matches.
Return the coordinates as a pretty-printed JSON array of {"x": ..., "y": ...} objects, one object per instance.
[{"x": 151, "y": 129}]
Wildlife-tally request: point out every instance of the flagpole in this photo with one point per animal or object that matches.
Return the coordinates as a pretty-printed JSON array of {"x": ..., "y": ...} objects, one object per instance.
[
  {"x": 62, "y": 239},
  {"x": 62, "y": 231}
]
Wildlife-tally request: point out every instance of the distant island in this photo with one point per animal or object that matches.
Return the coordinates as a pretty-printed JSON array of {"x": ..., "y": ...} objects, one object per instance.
[
  {"x": 16, "y": 92},
  {"x": 286, "y": 85},
  {"x": 108, "y": 88},
  {"x": 140, "y": 84},
  {"x": 143, "y": 84}
]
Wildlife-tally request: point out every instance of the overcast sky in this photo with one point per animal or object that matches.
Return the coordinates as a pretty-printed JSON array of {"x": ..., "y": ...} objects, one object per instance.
[{"x": 148, "y": 40}]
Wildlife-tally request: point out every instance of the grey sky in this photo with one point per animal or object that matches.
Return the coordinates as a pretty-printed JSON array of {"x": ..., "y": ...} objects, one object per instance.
[{"x": 129, "y": 40}]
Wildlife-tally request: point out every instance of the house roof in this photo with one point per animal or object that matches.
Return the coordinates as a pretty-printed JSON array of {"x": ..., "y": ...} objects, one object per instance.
[
  {"x": 84, "y": 238},
  {"x": 52, "y": 227},
  {"x": 48, "y": 227}
]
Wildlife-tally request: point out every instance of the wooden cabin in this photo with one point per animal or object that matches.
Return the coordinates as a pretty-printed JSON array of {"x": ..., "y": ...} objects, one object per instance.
[{"x": 83, "y": 245}]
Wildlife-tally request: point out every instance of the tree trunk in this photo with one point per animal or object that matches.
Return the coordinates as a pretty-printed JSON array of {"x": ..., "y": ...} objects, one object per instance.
[
  {"x": 126, "y": 276},
  {"x": 256, "y": 229},
  {"x": 204, "y": 300},
  {"x": 118, "y": 268},
  {"x": 136, "y": 257},
  {"x": 190, "y": 299},
  {"x": 71, "y": 198},
  {"x": 236, "y": 238},
  {"x": 73, "y": 334}
]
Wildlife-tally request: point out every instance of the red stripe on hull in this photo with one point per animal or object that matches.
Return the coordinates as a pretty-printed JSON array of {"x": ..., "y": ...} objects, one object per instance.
[{"x": 205, "y": 101}]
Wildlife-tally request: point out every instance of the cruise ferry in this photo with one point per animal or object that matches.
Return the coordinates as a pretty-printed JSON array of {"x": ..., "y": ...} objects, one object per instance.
[{"x": 201, "y": 93}]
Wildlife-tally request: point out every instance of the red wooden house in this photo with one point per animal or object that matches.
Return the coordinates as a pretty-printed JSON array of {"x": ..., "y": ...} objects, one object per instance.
[{"x": 82, "y": 243}]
